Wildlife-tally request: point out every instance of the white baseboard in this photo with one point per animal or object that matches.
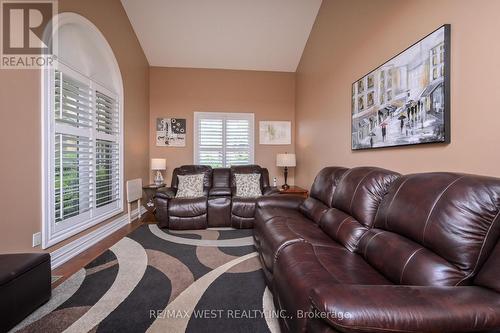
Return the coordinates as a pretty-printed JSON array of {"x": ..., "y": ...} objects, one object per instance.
[{"x": 70, "y": 250}]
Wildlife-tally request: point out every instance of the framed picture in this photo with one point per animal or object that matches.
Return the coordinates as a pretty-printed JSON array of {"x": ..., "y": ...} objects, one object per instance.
[
  {"x": 275, "y": 132},
  {"x": 405, "y": 101},
  {"x": 170, "y": 132}
]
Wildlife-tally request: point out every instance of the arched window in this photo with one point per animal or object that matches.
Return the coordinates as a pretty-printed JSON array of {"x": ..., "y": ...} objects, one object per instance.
[{"x": 82, "y": 95}]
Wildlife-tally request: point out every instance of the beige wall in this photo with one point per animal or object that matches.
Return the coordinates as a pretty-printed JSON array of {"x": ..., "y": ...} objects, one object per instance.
[
  {"x": 352, "y": 37},
  {"x": 179, "y": 92},
  {"x": 20, "y": 133},
  {"x": 349, "y": 38}
]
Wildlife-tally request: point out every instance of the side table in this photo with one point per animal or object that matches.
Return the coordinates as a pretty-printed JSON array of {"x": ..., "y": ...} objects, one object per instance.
[
  {"x": 150, "y": 191},
  {"x": 295, "y": 190}
]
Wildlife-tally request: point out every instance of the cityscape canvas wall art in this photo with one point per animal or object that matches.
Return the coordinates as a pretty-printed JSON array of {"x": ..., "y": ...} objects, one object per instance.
[
  {"x": 406, "y": 100},
  {"x": 170, "y": 132}
]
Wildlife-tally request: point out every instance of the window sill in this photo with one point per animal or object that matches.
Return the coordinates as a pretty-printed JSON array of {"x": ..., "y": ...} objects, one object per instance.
[{"x": 50, "y": 239}]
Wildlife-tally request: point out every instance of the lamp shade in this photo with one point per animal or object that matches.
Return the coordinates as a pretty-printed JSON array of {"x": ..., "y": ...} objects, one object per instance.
[
  {"x": 158, "y": 164},
  {"x": 285, "y": 160}
]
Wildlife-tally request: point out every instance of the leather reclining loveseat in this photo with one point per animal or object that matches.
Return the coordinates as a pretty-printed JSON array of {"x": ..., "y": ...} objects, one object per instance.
[
  {"x": 218, "y": 207},
  {"x": 374, "y": 251}
]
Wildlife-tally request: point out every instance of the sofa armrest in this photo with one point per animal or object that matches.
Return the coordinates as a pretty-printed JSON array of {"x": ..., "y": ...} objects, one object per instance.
[
  {"x": 220, "y": 191},
  {"x": 166, "y": 193},
  {"x": 270, "y": 190},
  {"x": 161, "y": 210},
  {"x": 280, "y": 201},
  {"x": 395, "y": 308}
]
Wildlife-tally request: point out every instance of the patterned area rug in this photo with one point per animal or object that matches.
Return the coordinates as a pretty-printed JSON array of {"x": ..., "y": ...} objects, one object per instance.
[{"x": 159, "y": 281}]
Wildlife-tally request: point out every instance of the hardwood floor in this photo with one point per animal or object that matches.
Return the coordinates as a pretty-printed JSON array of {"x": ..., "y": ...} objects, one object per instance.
[{"x": 73, "y": 265}]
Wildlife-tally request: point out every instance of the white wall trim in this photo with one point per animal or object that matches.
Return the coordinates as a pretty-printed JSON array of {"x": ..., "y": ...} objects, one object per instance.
[{"x": 70, "y": 250}]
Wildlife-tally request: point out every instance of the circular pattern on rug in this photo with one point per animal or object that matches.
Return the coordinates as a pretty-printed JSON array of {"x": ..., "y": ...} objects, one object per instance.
[{"x": 164, "y": 281}]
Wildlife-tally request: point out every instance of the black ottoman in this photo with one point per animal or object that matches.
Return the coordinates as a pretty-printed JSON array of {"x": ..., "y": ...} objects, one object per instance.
[{"x": 24, "y": 285}]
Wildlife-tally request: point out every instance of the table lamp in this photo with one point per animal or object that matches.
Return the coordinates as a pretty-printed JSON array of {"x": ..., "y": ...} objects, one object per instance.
[
  {"x": 158, "y": 165},
  {"x": 285, "y": 161}
]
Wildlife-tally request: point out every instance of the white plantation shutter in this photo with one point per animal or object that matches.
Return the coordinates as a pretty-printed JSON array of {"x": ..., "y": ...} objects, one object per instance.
[
  {"x": 107, "y": 150},
  {"x": 107, "y": 186},
  {"x": 237, "y": 142},
  {"x": 73, "y": 151},
  {"x": 211, "y": 142},
  {"x": 85, "y": 150},
  {"x": 106, "y": 111},
  {"x": 224, "y": 139},
  {"x": 73, "y": 176},
  {"x": 73, "y": 101}
]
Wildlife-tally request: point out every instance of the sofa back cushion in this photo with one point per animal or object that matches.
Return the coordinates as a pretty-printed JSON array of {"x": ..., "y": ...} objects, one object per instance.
[
  {"x": 221, "y": 177},
  {"x": 489, "y": 275},
  {"x": 355, "y": 203},
  {"x": 403, "y": 261},
  {"x": 435, "y": 228},
  {"x": 321, "y": 194},
  {"x": 192, "y": 170}
]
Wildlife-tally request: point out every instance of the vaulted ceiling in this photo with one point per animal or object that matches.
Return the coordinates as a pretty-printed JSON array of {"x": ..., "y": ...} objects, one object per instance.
[{"x": 267, "y": 35}]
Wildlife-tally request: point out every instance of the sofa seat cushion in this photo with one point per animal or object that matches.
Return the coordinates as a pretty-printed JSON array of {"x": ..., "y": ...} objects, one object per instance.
[
  {"x": 301, "y": 267},
  {"x": 238, "y": 222},
  {"x": 390, "y": 309},
  {"x": 280, "y": 232},
  {"x": 243, "y": 207},
  {"x": 187, "y": 207},
  {"x": 268, "y": 215},
  {"x": 263, "y": 215}
]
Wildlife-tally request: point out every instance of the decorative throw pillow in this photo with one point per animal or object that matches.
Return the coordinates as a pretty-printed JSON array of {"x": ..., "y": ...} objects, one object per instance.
[
  {"x": 248, "y": 185},
  {"x": 190, "y": 186}
]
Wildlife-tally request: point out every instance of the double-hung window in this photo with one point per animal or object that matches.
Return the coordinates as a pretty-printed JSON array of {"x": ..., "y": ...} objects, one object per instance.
[
  {"x": 223, "y": 139},
  {"x": 83, "y": 145}
]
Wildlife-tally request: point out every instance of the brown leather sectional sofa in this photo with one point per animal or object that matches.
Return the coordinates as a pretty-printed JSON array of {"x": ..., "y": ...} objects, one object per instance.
[
  {"x": 217, "y": 208},
  {"x": 373, "y": 251}
]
